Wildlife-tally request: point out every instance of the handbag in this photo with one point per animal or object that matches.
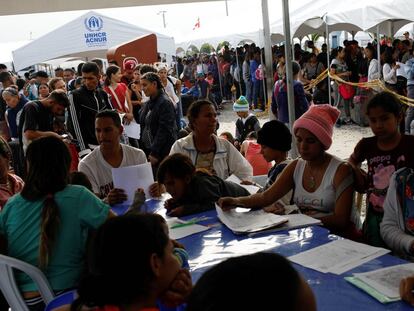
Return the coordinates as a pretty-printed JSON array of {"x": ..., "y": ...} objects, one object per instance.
[{"x": 346, "y": 91}]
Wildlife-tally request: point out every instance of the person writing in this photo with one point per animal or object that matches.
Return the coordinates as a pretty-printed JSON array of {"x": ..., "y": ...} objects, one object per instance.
[{"x": 322, "y": 182}]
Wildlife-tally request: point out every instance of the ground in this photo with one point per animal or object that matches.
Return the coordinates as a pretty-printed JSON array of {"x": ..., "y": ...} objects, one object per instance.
[{"x": 345, "y": 138}]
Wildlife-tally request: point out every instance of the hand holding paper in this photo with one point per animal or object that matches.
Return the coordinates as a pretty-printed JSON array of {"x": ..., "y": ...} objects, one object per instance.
[{"x": 131, "y": 178}]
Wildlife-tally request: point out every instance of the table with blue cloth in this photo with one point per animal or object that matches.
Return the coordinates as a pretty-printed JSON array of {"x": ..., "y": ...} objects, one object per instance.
[{"x": 332, "y": 292}]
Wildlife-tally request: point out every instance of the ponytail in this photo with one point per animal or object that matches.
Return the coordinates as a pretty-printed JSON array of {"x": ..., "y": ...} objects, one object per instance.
[{"x": 48, "y": 230}]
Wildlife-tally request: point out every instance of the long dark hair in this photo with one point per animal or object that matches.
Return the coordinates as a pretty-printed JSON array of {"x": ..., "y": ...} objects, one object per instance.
[
  {"x": 48, "y": 161},
  {"x": 121, "y": 272},
  {"x": 111, "y": 70}
]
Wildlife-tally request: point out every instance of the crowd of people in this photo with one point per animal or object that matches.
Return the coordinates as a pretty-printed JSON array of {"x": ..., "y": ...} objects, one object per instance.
[{"x": 62, "y": 137}]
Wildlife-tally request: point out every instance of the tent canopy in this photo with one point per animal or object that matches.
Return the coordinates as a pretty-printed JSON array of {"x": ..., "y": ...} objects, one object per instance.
[{"x": 88, "y": 36}]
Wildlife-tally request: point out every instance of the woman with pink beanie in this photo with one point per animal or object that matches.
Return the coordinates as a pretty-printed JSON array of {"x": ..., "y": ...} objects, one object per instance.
[{"x": 322, "y": 183}]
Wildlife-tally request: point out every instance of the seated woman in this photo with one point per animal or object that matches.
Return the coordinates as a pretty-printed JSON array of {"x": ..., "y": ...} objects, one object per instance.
[
  {"x": 206, "y": 150},
  {"x": 253, "y": 272},
  {"x": 322, "y": 183},
  {"x": 10, "y": 184},
  {"x": 47, "y": 224},
  {"x": 126, "y": 277},
  {"x": 192, "y": 191}
]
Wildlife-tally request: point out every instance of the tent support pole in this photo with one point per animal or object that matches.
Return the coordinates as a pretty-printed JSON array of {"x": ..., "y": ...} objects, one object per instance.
[
  {"x": 328, "y": 51},
  {"x": 378, "y": 50},
  {"x": 289, "y": 73},
  {"x": 268, "y": 56}
]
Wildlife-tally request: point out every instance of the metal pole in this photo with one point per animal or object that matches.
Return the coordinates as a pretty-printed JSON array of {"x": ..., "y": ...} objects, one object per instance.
[
  {"x": 289, "y": 72},
  {"x": 268, "y": 54},
  {"x": 378, "y": 50},
  {"x": 227, "y": 8},
  {"x": 328, "y": 50}
]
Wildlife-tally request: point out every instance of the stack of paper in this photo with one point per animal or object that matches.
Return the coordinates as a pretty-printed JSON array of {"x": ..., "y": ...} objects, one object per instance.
[
  {"x": 251, "y": 188},
  {"x": 295, "y": 221},
  {"x": 338, "y": 256},
  {"x": 250, "y": 221},
  {"x": 383, "y": 284}
]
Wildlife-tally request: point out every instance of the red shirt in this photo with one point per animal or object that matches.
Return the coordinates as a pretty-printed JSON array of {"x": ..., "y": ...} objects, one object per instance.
[{"x": 120, "y": 93}]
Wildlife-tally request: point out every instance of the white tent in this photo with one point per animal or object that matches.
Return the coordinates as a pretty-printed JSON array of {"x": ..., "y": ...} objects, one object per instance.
[
  {"x": 234, "y": 40},
  {"x": 88, "y": 36}
]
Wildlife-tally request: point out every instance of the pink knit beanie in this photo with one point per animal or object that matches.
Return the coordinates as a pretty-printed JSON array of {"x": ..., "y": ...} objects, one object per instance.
[{"x": 319, "y": 120}]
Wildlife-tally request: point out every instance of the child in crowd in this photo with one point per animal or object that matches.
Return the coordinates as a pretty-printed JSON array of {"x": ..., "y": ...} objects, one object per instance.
[
  {"x": 246, "y": 123},
  {"x": 274, "y": 149},
  {"x": 124, "y": 277},
  {"x": 192, "y": 191},
  {"x": 10, "y": 183},
  {"x": 252, "y": 273},
  {"x": 385, "y": 152},
  {"x": 251, "y": 150},
  {"x": 227, "y": 136}
]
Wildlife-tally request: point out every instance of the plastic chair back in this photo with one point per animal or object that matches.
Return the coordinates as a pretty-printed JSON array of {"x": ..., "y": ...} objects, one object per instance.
[
  {"x": 8, "y": 284},
  {"x": 61, "y": 300}
]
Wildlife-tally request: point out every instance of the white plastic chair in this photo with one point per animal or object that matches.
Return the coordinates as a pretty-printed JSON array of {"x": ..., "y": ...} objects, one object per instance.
[{"x": 9, "y": 287}]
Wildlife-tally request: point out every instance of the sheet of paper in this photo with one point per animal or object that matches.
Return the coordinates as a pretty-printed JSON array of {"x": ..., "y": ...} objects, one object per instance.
[
  {"x": 131, "y": 178},
  {"x": 401, "y": 71},
  {"x": 337, "y": 256},
  {"x": 251, "y": 188},
  {"x": 133, "y": 129},
  {"x": 295, "y": 221},
  {"x": 250, "y": 221},
  {"x": 182, "y": 232},
  {"x": 387, "y": 280}
]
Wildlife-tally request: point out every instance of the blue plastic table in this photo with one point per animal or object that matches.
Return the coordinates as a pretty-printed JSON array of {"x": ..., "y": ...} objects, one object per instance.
[{"x": 332, "y": 291}]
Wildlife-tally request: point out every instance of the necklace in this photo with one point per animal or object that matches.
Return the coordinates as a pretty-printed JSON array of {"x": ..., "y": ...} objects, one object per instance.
[{"x": 312, "y": 181}]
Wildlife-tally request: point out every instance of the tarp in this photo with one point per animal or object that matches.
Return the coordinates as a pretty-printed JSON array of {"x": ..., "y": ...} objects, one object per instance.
[{"x": 88, "y": 36}]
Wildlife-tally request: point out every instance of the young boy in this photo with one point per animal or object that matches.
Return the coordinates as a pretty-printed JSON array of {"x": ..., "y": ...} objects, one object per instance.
[{"x": 246, "y": 122}]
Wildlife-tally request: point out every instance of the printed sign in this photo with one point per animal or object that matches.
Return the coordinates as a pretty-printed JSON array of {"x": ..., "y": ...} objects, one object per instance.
[{"x": 94, "y": 36}]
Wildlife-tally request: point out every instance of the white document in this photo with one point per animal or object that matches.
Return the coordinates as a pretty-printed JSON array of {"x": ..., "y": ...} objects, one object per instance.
[
  {"x": 338, "y": 256},
  {"x": 184, "y": 231},
  {"x": 401, "y": 71},
  {"x": 133, "y": 129},
  {"x": 387, "y": 280},
  {"x": 249, "y": 221},
  {"x": 294, "y": 221},
  {"x": 131, "y": 178},
  {"x": 251, "y": 188}
]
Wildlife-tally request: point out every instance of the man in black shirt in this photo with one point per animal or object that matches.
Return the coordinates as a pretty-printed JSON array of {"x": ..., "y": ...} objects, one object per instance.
[
  {"x": 36, "y": 119},
  {"x": 85, "y": 103}
]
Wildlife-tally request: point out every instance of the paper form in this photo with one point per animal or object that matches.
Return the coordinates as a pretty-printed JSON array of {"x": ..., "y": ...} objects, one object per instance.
[
  {"x": 337, "y": 256},
  {"x": 251, "y": 188},
  {"x": 131, "y": 178},
  {"x": 387, "y": 280}
]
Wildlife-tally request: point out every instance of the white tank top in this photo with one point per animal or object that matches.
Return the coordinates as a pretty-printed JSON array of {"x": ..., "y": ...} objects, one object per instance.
[{"x": 324, "y": 197}]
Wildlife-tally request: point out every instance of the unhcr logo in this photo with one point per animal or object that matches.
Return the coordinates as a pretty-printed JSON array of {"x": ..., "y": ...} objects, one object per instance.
[{"x": 93, "y": 23}]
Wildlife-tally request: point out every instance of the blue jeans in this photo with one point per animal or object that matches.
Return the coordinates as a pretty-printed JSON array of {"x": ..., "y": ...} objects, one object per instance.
[{"x": 248, "y": 91}]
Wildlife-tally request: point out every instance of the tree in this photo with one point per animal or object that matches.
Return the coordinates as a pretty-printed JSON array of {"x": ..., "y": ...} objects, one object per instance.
[
  {"x": 222, "y": 44},
  {"x": 206, "y": 48},
  {"x": 192, "y": 49},
  {"x": 313, "y": 37}
]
